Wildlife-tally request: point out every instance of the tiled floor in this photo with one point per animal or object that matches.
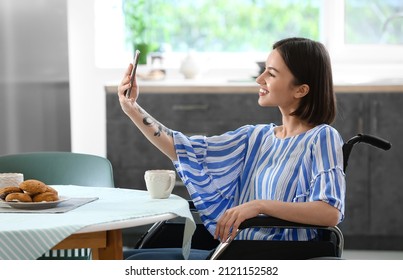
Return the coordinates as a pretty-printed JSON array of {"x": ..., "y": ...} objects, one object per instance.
[{"x": 372, "y": 255}]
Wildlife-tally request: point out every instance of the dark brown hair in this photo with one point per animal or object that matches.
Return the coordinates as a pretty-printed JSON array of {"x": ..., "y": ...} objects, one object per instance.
[{"x": 309, "y": 62}]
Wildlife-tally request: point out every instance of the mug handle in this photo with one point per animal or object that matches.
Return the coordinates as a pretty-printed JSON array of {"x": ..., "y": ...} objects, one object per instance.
[{"x": 169, "y": 190}]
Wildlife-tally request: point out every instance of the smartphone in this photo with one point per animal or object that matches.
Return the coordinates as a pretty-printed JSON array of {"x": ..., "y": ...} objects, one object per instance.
[{"x": 133, "y": 74}]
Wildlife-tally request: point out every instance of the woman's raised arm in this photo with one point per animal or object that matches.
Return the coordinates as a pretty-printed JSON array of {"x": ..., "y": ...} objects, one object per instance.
[{"x": 154, "y": 131}]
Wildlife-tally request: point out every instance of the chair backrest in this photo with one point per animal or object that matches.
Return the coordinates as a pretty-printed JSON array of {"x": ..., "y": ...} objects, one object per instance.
[
  {"x": 363, "y": 138},
  {"x": 60, "y": 168}
]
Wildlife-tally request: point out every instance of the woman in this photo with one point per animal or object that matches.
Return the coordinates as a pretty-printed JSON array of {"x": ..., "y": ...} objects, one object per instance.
[{"x": 292, "y": 171}]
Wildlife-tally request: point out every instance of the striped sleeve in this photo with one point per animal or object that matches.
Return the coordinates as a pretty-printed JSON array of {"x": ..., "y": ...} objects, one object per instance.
[
  {"x": 328, "y": 178},
  {"x": 211, "y": 167}
]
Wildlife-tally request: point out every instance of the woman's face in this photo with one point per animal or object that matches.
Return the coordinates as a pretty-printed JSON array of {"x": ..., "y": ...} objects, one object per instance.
[{"x": 276, "y": 85}]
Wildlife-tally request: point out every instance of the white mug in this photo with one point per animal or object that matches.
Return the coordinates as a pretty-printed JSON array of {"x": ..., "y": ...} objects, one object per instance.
[
  {"x": 11, "y": 179},
  {"x": 160, "y": 183}
]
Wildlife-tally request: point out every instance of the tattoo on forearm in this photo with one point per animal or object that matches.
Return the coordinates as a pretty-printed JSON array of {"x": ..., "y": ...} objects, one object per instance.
[
  {"x": 162, "y": 128},
  {"x": 149, "y": 121}
]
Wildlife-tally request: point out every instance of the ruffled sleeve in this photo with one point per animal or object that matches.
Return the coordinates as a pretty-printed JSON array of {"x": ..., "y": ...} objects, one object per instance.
[
  {"x": 211, "y": 167},
  {"x": 328, "y": 178}
]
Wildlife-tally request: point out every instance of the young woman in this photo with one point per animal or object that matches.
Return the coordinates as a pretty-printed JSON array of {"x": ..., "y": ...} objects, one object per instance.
[{"x": 292, "y": 170}]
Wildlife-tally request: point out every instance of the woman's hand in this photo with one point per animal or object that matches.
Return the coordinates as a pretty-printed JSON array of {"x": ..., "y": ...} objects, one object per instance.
[
  {"x": 128, "y": 104},
  {"x": 229, "y": 222}
]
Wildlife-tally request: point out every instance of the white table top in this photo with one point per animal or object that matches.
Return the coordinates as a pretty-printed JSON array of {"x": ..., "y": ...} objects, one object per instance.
[{"x": 29, "y": 235}]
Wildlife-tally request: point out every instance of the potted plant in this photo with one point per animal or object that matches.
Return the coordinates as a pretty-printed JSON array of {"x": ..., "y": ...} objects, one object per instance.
[{"x": 138, "y": 20}]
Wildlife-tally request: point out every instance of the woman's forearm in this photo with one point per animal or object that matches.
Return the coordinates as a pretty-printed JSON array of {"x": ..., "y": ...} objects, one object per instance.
[
  {"x": 154, "y": 131},
  {"x": 316, "y": 212}
]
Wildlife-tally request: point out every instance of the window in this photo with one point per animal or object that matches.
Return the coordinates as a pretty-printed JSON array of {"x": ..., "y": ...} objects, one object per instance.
[
  {"x": 379, "y": 22},
  {"x": 227, "y": 26},
  {"x": 237, "y": 33}
]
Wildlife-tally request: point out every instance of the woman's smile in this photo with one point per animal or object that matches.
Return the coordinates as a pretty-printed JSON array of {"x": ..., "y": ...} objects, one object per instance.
[{"x": 263, "y": 92}]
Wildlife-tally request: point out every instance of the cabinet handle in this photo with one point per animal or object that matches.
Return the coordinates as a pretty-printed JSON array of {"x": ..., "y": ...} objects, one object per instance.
[
  {"x": 375, "y": 109},
  {"x": 190, "y": 107},
  {"x": 360, "y": 124}
]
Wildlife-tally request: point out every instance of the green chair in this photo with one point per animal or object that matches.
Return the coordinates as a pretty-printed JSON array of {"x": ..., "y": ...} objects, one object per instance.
[{"x": 61, "y": 168}]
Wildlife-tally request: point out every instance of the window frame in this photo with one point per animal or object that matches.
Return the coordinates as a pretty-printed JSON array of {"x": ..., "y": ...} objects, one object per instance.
[{"x": 342, "y": 52}]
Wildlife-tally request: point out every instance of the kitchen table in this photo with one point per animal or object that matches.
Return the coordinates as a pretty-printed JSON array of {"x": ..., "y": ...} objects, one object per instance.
[{"x": 96, "y": 224}]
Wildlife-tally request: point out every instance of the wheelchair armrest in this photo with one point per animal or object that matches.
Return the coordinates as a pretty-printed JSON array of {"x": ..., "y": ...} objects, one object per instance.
[
  {"x": 271, "y": 222},
  {"x": 267, "y": 221},
  {"x": 262, "y": 220}
]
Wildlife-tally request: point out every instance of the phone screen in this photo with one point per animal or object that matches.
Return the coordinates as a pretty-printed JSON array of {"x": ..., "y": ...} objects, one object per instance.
[{"x": 133, "y": 74}]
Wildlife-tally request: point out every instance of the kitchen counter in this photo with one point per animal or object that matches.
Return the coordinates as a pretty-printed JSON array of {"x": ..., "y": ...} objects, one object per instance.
[{"x": 250, "y": 86}]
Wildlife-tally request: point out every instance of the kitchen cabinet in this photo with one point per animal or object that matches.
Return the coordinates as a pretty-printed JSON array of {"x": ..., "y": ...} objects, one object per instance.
[
  {"x": 350, "y": 121},
  {"x": 386, "y": 184},
  {"x": 374, "y": 187}
]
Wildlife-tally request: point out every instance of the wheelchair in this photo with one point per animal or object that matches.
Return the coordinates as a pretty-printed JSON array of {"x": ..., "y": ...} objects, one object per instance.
[{"x": 329, "y": 243}]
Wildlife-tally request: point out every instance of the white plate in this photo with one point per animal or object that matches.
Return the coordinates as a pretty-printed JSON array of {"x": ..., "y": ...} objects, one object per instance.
[{"x": 35, "y": 205}]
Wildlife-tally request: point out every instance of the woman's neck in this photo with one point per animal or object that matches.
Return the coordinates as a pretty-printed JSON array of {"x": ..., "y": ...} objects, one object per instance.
[{"x": 292, "y": 126}]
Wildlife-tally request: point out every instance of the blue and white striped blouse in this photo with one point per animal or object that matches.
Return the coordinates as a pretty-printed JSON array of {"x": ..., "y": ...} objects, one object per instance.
[{"x": 251, "y": 163}]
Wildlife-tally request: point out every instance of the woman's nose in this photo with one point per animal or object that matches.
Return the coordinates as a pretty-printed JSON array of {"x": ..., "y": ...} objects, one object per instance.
[{"x": 259, "y": 80}]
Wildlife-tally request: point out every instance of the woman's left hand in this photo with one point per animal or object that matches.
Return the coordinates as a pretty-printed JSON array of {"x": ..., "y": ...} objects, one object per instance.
[{"x": 229, "y": 222}]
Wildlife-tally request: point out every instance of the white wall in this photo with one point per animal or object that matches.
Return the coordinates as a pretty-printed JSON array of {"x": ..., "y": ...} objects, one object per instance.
[
  {"x": 34, "y": 88},
  {"x": 87, "y": 94}
]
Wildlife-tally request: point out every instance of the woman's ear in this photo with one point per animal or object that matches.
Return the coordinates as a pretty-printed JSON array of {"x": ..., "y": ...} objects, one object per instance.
[{"x": 302, "y": 91}]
